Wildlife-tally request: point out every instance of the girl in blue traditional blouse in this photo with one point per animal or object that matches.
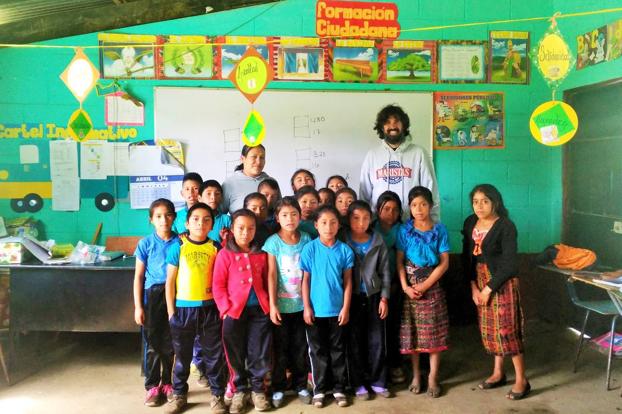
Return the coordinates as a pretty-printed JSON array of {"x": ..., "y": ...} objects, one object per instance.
[{"x": 422, "y": 258}]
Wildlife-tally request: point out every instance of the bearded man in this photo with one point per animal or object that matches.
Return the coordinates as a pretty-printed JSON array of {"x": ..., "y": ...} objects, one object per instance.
[{"x": 397, "y": 164}]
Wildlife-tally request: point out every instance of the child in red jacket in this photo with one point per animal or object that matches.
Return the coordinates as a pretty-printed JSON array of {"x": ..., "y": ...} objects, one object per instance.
[{"x": 241, "y": 293}]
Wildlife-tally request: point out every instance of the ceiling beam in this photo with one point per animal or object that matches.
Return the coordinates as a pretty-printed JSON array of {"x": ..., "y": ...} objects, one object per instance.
[{"x": 113, "y": 16}]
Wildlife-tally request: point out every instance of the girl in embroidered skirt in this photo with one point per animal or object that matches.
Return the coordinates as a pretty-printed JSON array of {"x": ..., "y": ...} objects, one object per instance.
[
  {"x": 422, "y": 258},
  {"x": 490, "y": 260}
]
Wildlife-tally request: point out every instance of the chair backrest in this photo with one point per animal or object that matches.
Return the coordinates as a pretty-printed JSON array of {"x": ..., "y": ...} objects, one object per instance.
[
  {"x": 572, "y": 292},
  {"x": 126, "y": 244}
]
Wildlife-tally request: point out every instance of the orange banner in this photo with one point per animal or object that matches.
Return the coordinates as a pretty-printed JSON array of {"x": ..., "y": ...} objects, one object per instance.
[{"x": 356, "y": 19}]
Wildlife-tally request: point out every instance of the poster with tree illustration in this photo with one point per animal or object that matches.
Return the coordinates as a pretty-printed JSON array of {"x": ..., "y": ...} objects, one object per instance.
[
  {"x": 409, "y": 61},
  {"x": 468, "y": 120},
  {"x": 127, "y": 56},
  {"x": 509, "y": 59},
  {"x": 186, "y": 57}
]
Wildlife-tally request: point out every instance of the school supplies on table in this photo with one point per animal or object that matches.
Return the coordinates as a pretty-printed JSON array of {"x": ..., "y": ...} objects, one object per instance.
[{"x": 38, "y": 249}]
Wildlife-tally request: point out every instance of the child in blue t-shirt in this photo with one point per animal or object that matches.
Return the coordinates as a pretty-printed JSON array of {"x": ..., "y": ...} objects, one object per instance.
[
  {"x": 211, "y": 194},
  {"x": 326, "y": 293},
  {"x": 285, "y": 290},
  {"x": 150, "y": 301},
  {"x": 190, "y": 185}
]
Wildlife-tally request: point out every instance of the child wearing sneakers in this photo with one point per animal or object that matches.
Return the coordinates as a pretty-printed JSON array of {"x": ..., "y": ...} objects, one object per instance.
[
  {"x": 326, "y": 292},
  {"x": 285, "y": 284},
  {"x": 241, "y": 293},
  {"x": 191, "y": 308},
  {"x": 150, "y": 301},
  {"x": 370, "y": 304},
  {"x": 190, "y": 186}
]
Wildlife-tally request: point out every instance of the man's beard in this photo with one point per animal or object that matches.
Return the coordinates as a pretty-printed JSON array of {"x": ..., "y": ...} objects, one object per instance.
[{"x": 394, "y": 139}]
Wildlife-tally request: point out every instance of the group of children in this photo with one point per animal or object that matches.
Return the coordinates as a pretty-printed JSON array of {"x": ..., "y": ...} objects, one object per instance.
[{"x": 311, "y": 283}]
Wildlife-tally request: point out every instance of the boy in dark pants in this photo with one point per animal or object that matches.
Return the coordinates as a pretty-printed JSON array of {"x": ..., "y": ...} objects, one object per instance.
[
  {"x": 191, "y": 308},
  {"x": 326, "y": 292}
]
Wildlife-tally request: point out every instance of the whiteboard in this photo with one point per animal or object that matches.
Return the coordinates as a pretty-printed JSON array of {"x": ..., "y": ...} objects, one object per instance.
[{"x": 326, "y": 132}]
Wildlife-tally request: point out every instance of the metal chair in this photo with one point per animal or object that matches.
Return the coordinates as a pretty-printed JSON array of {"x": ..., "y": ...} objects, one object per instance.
[{"x": 602, "y": 307}]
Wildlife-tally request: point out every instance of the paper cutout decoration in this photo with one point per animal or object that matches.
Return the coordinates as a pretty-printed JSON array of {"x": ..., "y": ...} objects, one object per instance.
[
  {"x": 552, "y": 57},
  {"x": 80, "y": 125},
  {"x": 80, "y": 76},
  {"x": 251, "y": 74},
  {"x": 553, "y": 123},
  {"x": 254, "y": 130}
]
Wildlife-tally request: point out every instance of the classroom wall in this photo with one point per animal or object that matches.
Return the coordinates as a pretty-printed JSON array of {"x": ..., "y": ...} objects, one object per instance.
[{"x": 527, "y": 173}]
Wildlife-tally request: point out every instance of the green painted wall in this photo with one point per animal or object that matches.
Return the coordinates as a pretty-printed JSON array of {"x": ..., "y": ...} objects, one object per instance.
[{"x": 528, "y": 174}]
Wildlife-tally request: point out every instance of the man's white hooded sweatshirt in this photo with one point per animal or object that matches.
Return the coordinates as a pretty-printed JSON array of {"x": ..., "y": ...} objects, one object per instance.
[{"x": 398, "y": 170}]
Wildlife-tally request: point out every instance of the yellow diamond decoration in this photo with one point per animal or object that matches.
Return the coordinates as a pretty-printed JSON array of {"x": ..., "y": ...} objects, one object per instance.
[{"x": 80, "y": 75}]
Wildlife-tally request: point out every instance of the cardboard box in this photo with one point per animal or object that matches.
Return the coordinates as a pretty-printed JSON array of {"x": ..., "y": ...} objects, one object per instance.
[{"x": 13, "y": 253}]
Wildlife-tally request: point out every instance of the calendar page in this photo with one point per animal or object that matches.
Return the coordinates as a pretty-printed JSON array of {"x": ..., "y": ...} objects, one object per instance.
[{"x": 148, "y": 188}]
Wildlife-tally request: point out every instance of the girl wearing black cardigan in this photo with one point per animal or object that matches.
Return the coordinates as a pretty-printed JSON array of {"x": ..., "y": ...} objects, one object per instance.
[{"x": 491, "y": 262}]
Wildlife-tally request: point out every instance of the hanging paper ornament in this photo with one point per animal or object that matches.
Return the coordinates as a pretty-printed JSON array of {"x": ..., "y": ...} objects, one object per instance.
[
  {"x": 553, "y": 123},
  {"x": 79, "y": 125},
  {"x": 80, "y": 76},
  {"x": 251, "y": 74},
  {"x": 552, "y": 56},
  {"x": 254, "y": 130}
]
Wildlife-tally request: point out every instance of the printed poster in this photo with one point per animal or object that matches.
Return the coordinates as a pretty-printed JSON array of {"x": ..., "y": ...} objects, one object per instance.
[
  {"x": 409, "y": 61},
  {"x": 614, "y": 40},
  {"x": 462, "y": 61},
  {"x": 354, "y": 60},
  {"x": 468, "y": 120},
  {"x": 234, "y": 47},
  {"x": 300, "y": 58},
  {"x": 592, "y": 47},
  {"x": 127, "y": 56},
  {"x": 186, "y": 57},
  {"x": 509, "y": 59}
]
